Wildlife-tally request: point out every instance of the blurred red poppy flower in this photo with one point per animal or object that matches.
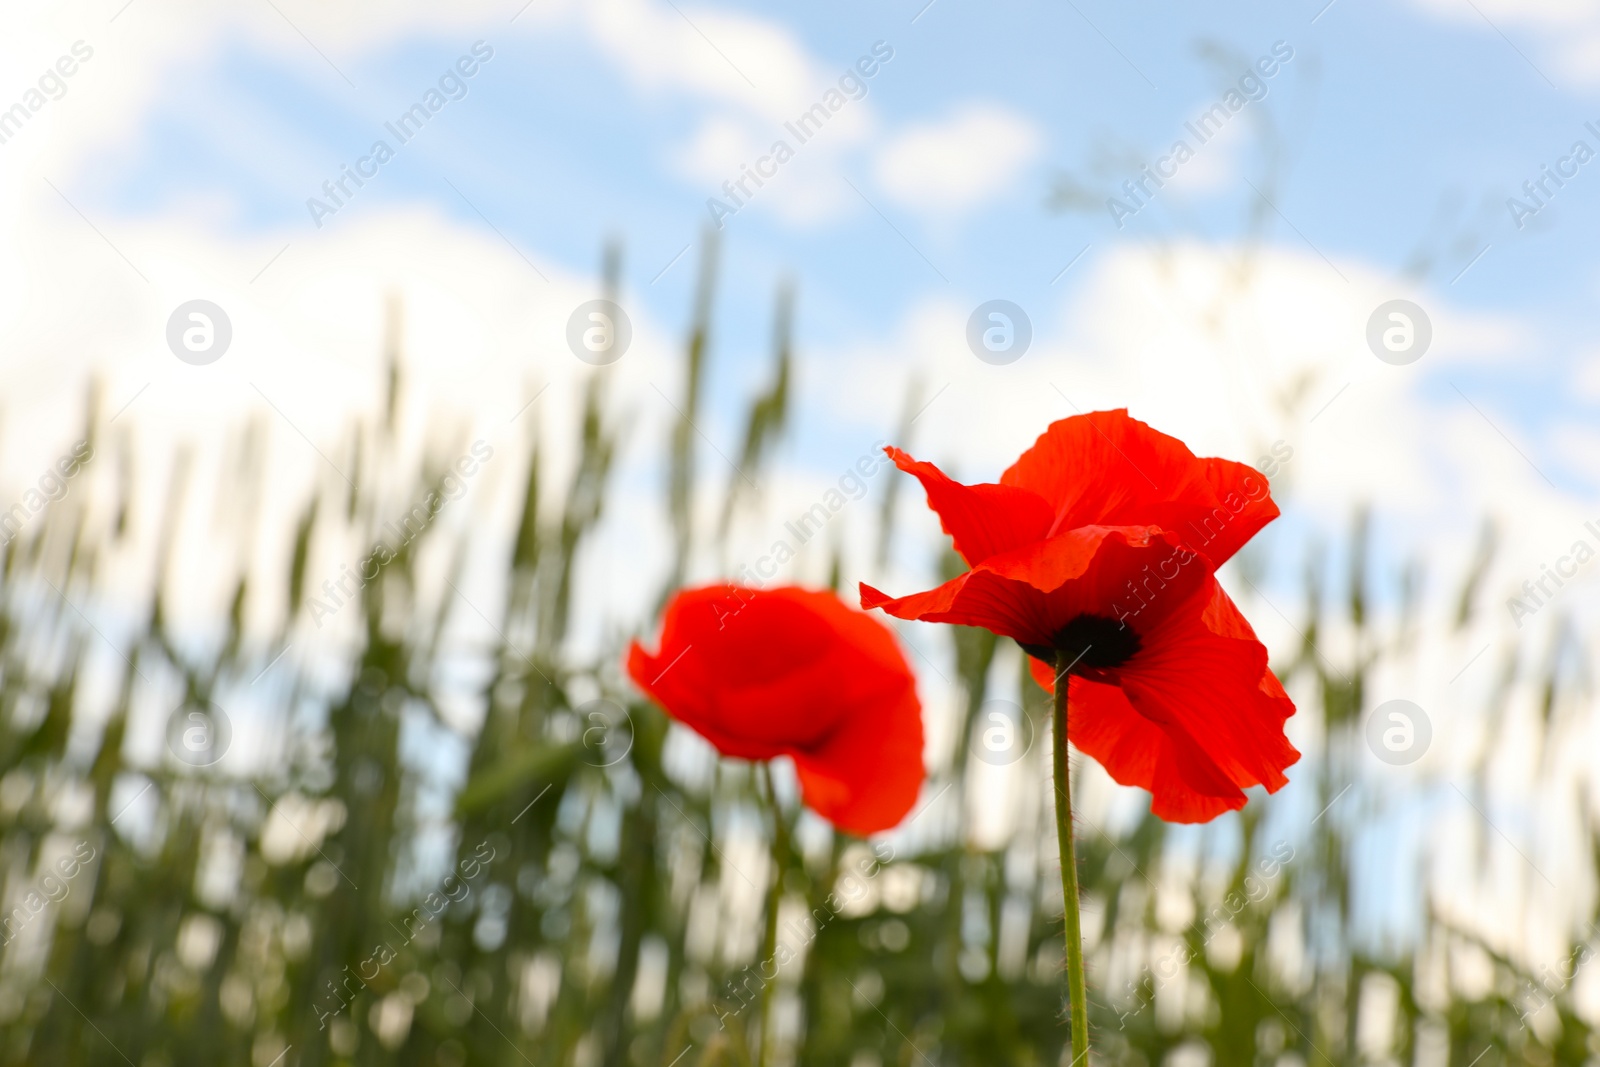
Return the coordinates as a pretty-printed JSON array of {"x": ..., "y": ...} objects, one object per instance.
[
  {"x": 1101, "y": 542},
  {"x": 794, "y": 672}
]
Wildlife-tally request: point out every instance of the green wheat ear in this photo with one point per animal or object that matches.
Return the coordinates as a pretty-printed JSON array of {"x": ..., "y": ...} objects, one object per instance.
[{"x": 294, "y": 908}]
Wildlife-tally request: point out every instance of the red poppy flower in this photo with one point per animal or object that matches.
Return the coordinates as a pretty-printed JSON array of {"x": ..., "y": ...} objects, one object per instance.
[
  {"x": 794, "y": 672},
  {"x": 1102, "y": 541}
]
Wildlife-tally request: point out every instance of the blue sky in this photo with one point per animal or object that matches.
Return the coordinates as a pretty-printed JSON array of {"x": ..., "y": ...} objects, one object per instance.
[
  {"x": 1377, "y": 165},
  {"x": 1398, "y": 134},
  {"x": 1385, "y": 113}
]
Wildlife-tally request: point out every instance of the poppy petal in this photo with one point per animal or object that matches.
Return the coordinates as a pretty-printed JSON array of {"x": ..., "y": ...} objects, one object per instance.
[
  {"x": 791, "y": 671},
  {"x": 866, "y": 775},
  {"x": 982, "y": 520},
  {"x": 1203, "y": 678},
  {"x": 1030, "y": 593},
  {"x": 1105, "y": 468},
  {"x": 1137, "y": 752}
]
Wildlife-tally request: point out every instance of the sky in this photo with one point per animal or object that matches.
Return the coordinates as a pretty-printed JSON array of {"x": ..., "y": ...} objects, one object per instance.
[
  {"x": 1376, "y": 153},
  {"x": 977, "y": 165}
]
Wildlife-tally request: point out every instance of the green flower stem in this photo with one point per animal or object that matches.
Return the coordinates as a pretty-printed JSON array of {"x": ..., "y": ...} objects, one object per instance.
[
  {"x": 769, "y": 948},
  {"x": 1077, "y": 990}
]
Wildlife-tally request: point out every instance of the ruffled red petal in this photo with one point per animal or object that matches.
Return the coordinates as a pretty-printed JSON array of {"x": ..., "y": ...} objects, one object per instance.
[
  {"x": 1196, "y": 717},
  {"x": 1137, "y": 752},
  {"x": 1107, "y": 469},
  {"x": 1206, "y": 673},
  {"x": 982, "y": 520},
  {"x": 790, "y": 671},
  {"x": 1131, "y": 573}
]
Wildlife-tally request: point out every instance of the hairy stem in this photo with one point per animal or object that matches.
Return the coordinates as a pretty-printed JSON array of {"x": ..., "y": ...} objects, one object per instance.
[{"x": 1077, "y": 990}]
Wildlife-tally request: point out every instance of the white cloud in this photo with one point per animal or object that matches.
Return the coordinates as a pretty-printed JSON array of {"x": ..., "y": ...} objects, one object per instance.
[
  {"x": 753, "y": 64},
  {"x": 794, "y": 133},
  {"x": 804, "y": 189},
  {"x": 1215, "y": 165},
  {"x": 483, "y": 331},
  {"x": 1568, "y": 30},
  {"x": 1586, "y": 376},
  {"x": 957, "y": 163},
  {"x": 483, "y": 335},
  {"x": 1232, "y": 354},
  {"x": 719, "y": 146}
]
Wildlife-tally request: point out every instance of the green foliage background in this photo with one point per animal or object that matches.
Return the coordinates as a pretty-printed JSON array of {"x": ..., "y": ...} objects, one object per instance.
[{"x": 609, "y": 913}]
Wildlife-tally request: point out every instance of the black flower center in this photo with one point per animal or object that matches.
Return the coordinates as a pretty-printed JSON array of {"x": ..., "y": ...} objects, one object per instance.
[{"x": 1091, "y": 642}]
